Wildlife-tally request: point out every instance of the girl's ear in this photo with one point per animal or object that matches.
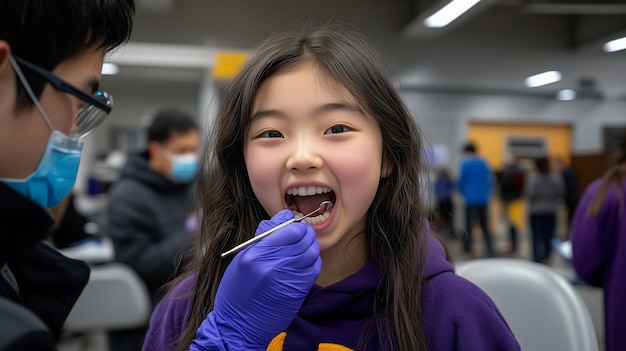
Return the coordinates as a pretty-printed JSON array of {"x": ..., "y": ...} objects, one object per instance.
[{"x": 386, "y": 167}]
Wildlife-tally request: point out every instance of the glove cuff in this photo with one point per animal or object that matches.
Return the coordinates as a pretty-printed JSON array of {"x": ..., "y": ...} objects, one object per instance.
[{"x": 213, "y": 335}]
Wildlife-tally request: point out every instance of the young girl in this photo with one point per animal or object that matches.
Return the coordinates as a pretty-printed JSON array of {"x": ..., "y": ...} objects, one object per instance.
[{"x": 311, "y": 117}]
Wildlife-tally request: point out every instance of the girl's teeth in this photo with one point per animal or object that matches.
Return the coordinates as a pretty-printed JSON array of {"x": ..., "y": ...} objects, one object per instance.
[
  {"x": 311, "y": 220},
  {"x": 308, "y": 191}
]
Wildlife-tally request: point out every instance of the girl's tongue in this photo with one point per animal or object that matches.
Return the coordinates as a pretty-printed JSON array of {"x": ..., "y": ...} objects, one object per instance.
[{"x": 310, "y": 203}]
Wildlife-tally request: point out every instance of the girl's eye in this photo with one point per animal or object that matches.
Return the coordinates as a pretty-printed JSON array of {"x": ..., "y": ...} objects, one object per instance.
[
  {"x": 271, "y": 134},
  {"x": 337, "y": 129}
]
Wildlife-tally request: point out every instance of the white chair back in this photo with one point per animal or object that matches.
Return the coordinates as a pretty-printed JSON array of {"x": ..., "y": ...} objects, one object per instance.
[
  {"x": 544, "y": 311},
  {"x": 114, "y": 298}
]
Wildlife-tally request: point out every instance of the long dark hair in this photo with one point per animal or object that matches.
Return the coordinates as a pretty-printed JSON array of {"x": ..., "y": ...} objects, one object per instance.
[
  {"x": 395, "y": 231},
  {"x": 613, "y": 177}
]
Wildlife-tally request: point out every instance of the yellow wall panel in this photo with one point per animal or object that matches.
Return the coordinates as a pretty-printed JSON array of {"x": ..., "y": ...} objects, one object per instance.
[{"x": 490, "y": 139}]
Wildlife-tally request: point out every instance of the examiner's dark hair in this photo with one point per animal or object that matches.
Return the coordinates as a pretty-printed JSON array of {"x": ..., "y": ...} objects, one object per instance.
[
  {"x": 48, "y": 32},
  {"x": 395, "y": 233},
  {"x": 169, "y": 121}
]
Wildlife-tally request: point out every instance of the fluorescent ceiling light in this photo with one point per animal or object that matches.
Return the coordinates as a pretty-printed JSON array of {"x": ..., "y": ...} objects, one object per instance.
[
  {"x": 449, "y": 13},
  {"x": 615, "y": 45},
  {"x": 109, "y": 69},
  {"x": 544, "y": 78},
  {"x": 566, "y": 95}
]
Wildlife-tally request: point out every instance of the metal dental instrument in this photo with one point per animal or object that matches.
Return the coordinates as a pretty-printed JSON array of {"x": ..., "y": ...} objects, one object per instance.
[{"x": 324, "y": 206}]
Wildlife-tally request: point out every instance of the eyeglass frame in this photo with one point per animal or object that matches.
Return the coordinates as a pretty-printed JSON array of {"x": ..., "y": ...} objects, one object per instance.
[{"x": 61, "y": 85}]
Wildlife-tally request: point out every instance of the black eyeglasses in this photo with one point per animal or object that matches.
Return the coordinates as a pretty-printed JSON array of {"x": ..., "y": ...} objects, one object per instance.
[{"x": 97, "y": 106}]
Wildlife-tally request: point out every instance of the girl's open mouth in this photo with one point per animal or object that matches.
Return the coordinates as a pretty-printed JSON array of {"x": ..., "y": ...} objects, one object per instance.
[{"x": 305, "y": 199}]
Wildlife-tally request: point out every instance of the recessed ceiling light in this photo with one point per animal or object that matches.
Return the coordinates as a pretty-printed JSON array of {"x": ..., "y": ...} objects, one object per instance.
[
  {"x": 109, "y": 69},
  {"x": 544, "y": 78},
  {"x": 449, "y": 13},
  {"x": 615, "y": 45},
  {"x": 566, "y": 95}
]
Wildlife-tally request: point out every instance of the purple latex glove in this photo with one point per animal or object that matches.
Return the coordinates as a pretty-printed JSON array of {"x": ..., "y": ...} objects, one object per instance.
[{"x": 262, "y": 289}]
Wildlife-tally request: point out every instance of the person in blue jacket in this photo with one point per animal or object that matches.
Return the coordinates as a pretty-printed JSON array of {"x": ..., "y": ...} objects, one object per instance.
[
  {"x": 51, "y": 55},
  {"x": 475, "y": 183},
  {"x": 313, "y": 117}
]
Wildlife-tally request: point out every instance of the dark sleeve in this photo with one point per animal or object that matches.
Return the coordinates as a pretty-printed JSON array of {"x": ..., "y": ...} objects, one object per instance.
[
  {"x": 49, "y": 284},
  {"x": 21, "y": 330},
  {"x": 134, "y": 231}
]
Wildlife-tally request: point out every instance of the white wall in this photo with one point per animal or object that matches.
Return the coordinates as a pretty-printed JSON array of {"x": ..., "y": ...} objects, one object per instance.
[
  {"x": 134, "y": 100},
  {"x": 444, "y": 116}
]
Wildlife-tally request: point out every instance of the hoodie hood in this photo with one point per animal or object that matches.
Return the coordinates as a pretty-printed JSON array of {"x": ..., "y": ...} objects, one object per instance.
[
  {"x": 138, "y": 168},
  {"x": 354, "y": 295},
  {"x": 339, "y": 314},
  {"x": 436, "y": 262}
]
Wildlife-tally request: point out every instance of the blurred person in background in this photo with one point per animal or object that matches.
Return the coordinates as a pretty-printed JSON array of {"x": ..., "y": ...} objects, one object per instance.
[
  {"x": 51, "y": 55},
  {"x": 475, "y": 183},
  {"x": 150, "y": 217},
  {"x": 443, "y": 187},
  {"x": 543, "y": 191},
  {"x": 570, "y": 183},
  {"x": 598, "y": 234},
  {"x": 512, "y": 180}
]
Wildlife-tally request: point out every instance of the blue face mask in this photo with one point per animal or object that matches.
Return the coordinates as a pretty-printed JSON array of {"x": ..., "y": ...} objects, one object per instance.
[
  {"x": 184, "y": 168},
  {"x": 56, "y": 174}
]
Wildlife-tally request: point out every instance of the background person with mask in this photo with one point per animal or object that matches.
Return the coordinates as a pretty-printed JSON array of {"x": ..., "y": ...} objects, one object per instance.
[
  {"x": 150, "y": 217},
  {"x": 51, "y": 55}
]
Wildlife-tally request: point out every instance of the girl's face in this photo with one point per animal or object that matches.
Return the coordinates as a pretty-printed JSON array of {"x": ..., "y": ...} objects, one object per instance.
[{"x": 309, "y": 141}]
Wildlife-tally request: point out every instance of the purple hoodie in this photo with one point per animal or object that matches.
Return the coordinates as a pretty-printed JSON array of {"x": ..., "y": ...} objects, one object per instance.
[
  {"x": 457, "y": 314},
  {"x": 599, "y": 258}
]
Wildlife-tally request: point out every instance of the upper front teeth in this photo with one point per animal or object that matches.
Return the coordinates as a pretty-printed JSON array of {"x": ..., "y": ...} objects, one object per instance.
[{"x": 307, "y": 191}]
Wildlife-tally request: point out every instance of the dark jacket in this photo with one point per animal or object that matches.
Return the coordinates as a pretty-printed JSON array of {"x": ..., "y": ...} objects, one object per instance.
[
  {"x": 146, "y": 220},
  {"x": 38, "y": 285}
]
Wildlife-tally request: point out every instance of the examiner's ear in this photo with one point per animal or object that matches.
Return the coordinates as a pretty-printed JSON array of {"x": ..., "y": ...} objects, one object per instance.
[
  {"x": 5, "y": 53},
  {"x": 153, "y": 149}
]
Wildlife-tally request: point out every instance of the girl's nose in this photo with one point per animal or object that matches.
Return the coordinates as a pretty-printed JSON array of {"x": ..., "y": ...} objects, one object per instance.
[{"x": 304, "y": 158}]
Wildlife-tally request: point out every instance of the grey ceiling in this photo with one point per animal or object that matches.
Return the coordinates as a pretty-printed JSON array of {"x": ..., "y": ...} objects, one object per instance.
[{"x": 491, "y": 49}]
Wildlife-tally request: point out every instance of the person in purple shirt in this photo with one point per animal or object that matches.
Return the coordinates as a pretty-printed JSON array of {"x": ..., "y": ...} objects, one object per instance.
[
  {"x": 598, "y": 234},
  {"x": 313, "y": 117}
]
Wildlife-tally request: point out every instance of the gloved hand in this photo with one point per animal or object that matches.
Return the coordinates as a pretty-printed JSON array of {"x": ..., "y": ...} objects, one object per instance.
[{"x": 262, "y": 289}]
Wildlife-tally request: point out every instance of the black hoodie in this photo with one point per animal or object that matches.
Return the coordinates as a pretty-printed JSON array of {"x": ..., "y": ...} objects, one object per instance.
[
  {"x": 38, "y": 285},
  {"x": 147, "y": 216}
]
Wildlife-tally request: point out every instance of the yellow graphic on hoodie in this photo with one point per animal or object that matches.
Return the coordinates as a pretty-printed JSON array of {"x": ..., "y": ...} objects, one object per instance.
[{"x": 278, "y": 344}]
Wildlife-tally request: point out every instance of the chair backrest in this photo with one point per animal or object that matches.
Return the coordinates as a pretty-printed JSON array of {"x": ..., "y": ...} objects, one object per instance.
[
  {"x": 544, "y": 311},
  {"x": 114, "y": 298}
]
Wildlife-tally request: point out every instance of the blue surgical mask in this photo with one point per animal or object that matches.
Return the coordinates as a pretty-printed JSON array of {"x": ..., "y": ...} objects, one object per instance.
[
  {"x": 184, "y": 168},
  {"x": 56, "y": 174}
]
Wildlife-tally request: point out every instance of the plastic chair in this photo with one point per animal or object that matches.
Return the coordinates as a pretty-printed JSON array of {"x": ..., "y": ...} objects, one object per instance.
[
  {"x": 544, "y": 311},
  {"x": 114, "y": 298}
]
